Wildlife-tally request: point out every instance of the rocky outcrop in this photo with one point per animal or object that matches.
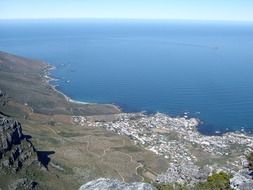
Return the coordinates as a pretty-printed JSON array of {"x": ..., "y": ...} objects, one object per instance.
[
  {"x": 242, "y": 180},
  {"x": 15, "y": 149},
  {"x": 16, "y": 153},
  {"x": 2, "y": 98},
  {"x": 109, "y": 184},
  {"x": 23, "y": 183}
]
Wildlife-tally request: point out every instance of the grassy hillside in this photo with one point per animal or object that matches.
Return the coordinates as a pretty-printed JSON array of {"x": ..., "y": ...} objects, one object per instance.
[
  {"x": 78, "y": 154},
  {"x": 23, "y": 80}
]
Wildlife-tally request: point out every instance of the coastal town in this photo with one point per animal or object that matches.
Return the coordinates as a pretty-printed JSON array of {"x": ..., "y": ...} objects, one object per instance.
[{"x": 192, "y": 156}]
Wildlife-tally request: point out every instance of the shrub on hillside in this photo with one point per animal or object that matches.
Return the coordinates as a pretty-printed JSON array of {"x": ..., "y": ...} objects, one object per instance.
[{"x": 217, "y": 181}]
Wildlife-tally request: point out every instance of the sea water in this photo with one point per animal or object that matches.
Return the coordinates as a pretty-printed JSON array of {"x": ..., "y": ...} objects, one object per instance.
[{"x": 203, "y": 69}]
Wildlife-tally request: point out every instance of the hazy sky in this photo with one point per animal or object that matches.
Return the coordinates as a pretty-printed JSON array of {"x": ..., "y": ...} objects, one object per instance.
[{"x": 141, "y": 9}]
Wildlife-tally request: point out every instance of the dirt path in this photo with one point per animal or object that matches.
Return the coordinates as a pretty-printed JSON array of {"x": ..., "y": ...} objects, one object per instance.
[
  {"x": 136, "y": 169},
  {"x": 129, "y": 156},
  {"x": 132, "y": 161},
  {"x": 101, "y": 157},
  {"x": 62, "y": 139},
  {"x": 87, "y": 147},
  {"x": 53, "y": 131},
  {"x": 109, "y": 148}
]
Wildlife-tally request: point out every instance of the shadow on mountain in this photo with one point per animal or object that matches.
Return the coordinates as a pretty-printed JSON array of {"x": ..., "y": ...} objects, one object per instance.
[
  {"x": 3, "y": 114},
  {"x": 27, "y": 137},
  {"x": 43, "y": 157}
]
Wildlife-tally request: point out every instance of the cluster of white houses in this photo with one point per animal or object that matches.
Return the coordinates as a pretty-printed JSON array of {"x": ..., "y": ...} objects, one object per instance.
[{"x": 177, "y": 139}]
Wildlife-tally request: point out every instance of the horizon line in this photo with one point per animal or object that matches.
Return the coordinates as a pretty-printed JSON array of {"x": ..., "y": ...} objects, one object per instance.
[{"x": 118, "y": 19}]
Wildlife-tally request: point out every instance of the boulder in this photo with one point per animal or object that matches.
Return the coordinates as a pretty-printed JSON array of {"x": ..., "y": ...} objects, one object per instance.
[
  {"x": 109, "y": 184},
  {"x": 242, "y": 180}
]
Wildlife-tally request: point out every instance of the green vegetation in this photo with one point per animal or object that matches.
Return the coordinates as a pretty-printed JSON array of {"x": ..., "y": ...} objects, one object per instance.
[
  {"x": 172, "y": 187},
  {"x": 130, "y": 148},
  {"x": 82, "y": 153},
  {"x": 217, "y": 181},
  {"x": 27, "y": 85},
  {"x": 69, "y": 134}
]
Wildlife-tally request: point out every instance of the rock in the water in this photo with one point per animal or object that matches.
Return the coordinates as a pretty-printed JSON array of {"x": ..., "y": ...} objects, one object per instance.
[
  {"x": 242, "y": 180},
  {"x": 109, "y": 184}
]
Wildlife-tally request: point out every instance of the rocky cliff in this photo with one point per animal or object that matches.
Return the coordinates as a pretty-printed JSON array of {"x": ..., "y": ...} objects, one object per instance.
[
  {"x": 3, "y": 98},
  {"x": 16, "y": 150},
  {"x": 16, "y": 154}
]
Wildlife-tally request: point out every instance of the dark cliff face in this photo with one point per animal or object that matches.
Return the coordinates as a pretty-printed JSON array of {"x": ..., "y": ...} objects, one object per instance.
[
  {"x": 11, "y": 133},
  {"x": 3, "y": 99},
  {"x": 21, "y": 165},
  {"x": 16, "y": 153},
  {"x": 15, "y": 149}
]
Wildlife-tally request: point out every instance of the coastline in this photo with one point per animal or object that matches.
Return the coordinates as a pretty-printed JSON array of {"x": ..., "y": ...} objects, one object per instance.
[
  {"x": 44, "y": 71},
  {"x": 49, "y": 78},
  {"x": 175, "y": 139}
]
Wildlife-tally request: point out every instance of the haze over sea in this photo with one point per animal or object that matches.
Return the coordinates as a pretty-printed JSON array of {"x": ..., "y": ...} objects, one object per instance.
[{"x": 202, "y": 68}]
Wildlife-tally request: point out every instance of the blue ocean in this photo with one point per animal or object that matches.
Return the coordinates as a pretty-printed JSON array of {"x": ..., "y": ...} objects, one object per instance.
[{"x": 203, "y": 69}]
